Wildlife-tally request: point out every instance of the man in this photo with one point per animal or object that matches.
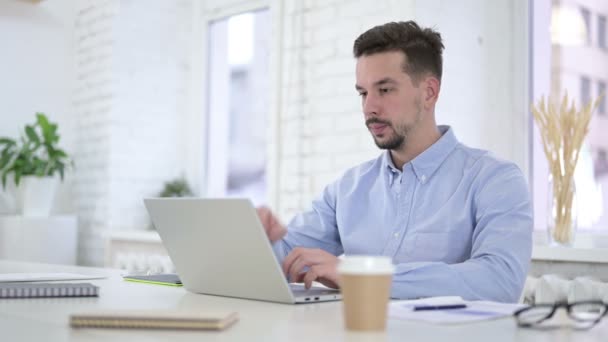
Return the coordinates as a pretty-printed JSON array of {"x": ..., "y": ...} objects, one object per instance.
[{"x": 455, "y": 220}]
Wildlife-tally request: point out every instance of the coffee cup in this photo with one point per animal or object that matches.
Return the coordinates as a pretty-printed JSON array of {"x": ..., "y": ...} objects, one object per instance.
[{"x": 365, "y": 283}]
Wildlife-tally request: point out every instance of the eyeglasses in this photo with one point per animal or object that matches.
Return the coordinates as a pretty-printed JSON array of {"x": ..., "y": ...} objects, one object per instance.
[{"x": 585, "y": 313}]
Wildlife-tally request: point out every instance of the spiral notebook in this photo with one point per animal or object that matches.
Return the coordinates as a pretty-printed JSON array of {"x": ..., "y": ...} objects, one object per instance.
[
  {"x": 39, "y": 290},
  {"x": 154, "y": 319}
]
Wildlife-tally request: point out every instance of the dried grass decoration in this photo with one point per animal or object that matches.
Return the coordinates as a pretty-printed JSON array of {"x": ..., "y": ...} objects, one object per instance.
[{"x": 563, "y": 131}]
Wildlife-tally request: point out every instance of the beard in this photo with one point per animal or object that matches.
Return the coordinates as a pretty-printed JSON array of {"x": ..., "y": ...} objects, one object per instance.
[
  {"x": 397, "y": 138},
  {"x": 393, "y": 140}
]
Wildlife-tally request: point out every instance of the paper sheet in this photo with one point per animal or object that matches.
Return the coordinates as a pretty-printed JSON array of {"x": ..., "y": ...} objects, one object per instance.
[
  {"x": 27, "y": 277},
  {"x": 474, "y": 312}
]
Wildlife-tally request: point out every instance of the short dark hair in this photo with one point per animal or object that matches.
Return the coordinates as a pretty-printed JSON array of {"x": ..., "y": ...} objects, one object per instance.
[{"x": 423, "y": 48}]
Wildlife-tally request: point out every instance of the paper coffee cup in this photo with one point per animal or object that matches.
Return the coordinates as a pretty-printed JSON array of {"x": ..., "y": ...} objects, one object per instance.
[{"x": 365, "y": 283}]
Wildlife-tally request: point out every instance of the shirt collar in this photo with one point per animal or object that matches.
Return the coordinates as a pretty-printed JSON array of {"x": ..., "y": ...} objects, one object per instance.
[{"x": 427, "y": 162}]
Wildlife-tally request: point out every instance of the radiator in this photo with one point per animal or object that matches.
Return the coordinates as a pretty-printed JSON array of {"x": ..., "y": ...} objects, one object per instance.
[
  {"x": 142, "y": 263},
  {"x": 552, "y": 288}
]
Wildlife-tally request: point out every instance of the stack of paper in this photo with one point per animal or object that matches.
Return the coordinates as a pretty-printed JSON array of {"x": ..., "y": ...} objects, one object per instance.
[
  {"x": 472, "y": 312},
  {"x": 31, "y": 277}
]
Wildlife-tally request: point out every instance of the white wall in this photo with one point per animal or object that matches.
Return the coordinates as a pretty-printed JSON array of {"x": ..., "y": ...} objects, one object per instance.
[
  {"x": 129, "y": 100},
  {"x": 36, "y": 68},
  {"x": 485, "y": 88}
]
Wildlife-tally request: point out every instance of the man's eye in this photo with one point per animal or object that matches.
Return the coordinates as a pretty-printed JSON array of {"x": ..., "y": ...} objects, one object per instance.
[
  {"x": 384, "y": 90},
  {"x": 362, "y": 94}
]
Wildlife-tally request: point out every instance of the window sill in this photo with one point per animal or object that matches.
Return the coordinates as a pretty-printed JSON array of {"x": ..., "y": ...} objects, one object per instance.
[
  {"x": 588, "y": 248},
  {"x": 134, "y": 235},
  {"x": 570, "y": 254}
]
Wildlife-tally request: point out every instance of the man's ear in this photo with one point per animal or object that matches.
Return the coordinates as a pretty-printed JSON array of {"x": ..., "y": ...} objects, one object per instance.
[{"x": 431, "y": 91}]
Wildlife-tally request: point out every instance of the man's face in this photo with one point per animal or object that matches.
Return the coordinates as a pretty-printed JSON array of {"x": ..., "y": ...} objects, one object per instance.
[{"x": 391, "y": 103}]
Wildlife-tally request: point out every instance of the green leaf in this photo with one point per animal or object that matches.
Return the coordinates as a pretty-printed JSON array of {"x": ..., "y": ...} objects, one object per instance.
[
  {"x": 48, "y": 129},
  {"x": 17, "y": 176},
  {"x": 7, "y": 152},
  {"x": 34, "y": 152},
  {"x": 39, "y": 167},
  {"x": 11, "y": 162},
  {"x": 61, "y": 168},
  {"x": 53, "y": 136},
  {"x": 42, "y": 121},
  {"x": 32, "y": 135},
  {"x": 7, "y": 141},
  {"x": 4, "y": 160},
  {"x": 59, "y": 154}
]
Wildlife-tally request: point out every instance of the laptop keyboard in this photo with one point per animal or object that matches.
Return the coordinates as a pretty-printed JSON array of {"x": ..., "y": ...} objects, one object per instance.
[{"x": 300, "y": 290}]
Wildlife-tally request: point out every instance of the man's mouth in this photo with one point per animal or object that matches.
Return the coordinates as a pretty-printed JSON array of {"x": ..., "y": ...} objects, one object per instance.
[{"x": 377, "y": 128}]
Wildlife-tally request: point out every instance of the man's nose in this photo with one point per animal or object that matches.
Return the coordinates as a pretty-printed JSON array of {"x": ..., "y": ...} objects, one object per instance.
[{"x": 370, "y": 105}]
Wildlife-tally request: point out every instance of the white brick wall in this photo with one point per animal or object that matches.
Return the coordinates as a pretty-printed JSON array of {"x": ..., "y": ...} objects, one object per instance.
[
  {"x": 93, "y": 103},
  {"x": 320, "y": 117},
  {"x": 129, "y": 100}
]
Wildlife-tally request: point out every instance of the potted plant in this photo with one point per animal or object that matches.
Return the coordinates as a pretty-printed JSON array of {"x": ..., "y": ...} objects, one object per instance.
[
  {"x": 176, "y": 188},
  {"x": 33, "y": 164}
]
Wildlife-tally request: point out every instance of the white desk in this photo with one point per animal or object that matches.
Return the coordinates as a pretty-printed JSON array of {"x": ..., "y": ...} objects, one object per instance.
[{"x": 47, "y": 319}]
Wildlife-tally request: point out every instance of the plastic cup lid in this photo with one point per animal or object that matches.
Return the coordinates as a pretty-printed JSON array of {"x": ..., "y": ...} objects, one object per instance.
[{"x": 366, "y": 264}]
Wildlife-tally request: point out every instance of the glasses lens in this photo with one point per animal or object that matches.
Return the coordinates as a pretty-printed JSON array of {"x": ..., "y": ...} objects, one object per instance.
[
  {"x": 589, "y": 311},
  {"x": 534, "y": 314}
]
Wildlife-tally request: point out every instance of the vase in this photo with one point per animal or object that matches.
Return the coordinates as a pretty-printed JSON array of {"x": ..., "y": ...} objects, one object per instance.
[
  {"x": 35, "y": 196},
  {"x": 562, "y": 211}
]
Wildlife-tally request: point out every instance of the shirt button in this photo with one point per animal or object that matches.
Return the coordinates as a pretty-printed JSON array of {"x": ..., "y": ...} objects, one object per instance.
[
  {"x": 423, "y": 178},
  {"x": 396, "y": 235}
]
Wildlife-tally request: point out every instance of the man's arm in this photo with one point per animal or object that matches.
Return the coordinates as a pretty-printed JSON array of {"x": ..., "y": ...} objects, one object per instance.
[
  {"x": 315, "y": 228},
  {"x": 308, "y": 251},
  {"x": 500, "y": 253}
]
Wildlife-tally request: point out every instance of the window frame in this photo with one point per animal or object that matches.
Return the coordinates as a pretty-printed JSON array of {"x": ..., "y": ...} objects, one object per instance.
[
  {"x": 203, "y": 14},
  {"x": 602, "y": 42},
  {"x": 601, "y": 90},
  {"x": 539, "y": 80}
]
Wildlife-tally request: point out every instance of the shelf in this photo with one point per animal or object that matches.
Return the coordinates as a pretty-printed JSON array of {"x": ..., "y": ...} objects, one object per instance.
[{"x": 569, "y": 254}]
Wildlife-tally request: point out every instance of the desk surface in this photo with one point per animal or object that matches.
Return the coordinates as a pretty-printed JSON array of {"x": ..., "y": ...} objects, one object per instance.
[{"x": 47, "y": 319}]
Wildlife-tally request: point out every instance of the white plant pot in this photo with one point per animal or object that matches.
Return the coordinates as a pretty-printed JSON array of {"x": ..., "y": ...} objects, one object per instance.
[
  {"x": 34, "y": 197},
  {"x": 7, "y": 198}
]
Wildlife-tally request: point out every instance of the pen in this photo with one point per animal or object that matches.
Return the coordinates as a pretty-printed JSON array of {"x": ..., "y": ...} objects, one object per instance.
[{"x": 439, "y": 307}]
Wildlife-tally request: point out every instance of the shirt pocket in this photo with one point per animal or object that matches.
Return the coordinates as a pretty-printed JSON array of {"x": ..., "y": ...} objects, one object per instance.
[{"x": 429, "y": 247}]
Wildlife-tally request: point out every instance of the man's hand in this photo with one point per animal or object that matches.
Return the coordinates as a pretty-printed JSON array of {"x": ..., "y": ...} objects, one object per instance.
[
  {"x": 273, "y": 227},
  {"x": 322, "y": 267}
]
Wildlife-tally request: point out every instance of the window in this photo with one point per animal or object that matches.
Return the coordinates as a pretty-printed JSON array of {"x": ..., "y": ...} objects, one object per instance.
[
  {"x": 601, "y": 163},
  {"x": 557, "y": 68},
  {"x": 587, "y": 19},
  {"x": 601, "y": 91},
  {"x": 601, "y": 32},
  {"x": 585, "y": 90},
  {"x": 238, "y": 101}
]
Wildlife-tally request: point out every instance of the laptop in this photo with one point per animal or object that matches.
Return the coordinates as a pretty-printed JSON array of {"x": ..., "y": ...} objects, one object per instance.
[{"x": 219, "y": 247}]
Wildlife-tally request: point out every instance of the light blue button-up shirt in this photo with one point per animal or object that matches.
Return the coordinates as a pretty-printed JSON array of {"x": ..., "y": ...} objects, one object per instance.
[{"x": 455, "y": 221}]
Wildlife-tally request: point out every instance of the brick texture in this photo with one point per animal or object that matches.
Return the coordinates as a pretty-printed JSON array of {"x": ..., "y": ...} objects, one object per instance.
[
  {"x": 320, "y": 117},
  {"x": 129, "y": 96}
]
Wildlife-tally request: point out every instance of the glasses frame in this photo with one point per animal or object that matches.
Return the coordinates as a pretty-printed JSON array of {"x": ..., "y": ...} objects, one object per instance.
[{"x": 558, "y": 305}]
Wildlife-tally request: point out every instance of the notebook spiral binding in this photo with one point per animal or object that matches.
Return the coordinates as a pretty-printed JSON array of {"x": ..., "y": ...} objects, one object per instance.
[{"x": 45, "y": 290}]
